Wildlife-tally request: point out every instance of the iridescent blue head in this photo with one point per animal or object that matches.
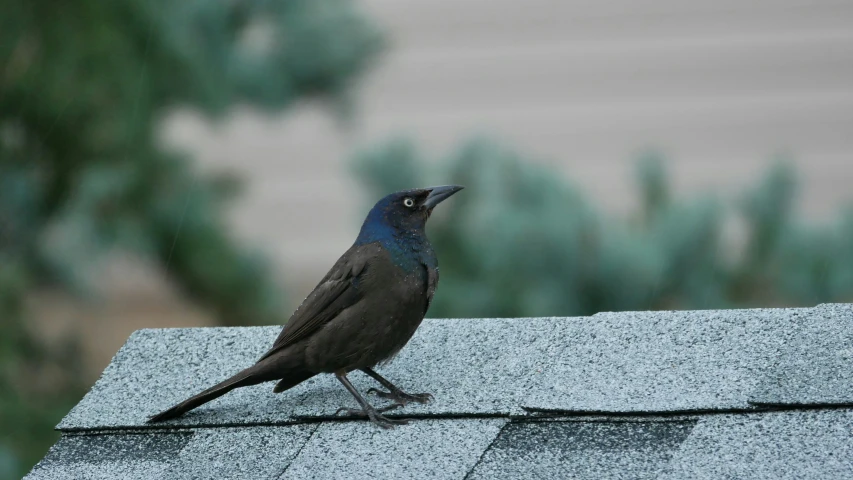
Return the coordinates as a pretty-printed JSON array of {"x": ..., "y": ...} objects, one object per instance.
[{"x": 402, "y": 213}]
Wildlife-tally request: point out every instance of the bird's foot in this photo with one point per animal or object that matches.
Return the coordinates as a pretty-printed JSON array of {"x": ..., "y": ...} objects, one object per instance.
[
  {"x": 402, "y": 398},
  {"x": 374, "y": 415}
]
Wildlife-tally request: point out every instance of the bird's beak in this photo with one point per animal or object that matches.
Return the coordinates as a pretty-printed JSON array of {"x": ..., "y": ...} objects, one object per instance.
[{"x": 439, "y": 194}]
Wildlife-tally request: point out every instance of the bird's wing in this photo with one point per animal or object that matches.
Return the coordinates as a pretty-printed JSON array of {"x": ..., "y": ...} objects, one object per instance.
[{"x": 335, "y": 292}]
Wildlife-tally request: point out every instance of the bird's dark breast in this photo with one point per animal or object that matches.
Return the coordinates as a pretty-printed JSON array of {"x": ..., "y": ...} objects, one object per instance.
[{"x": 376, "y": 327}]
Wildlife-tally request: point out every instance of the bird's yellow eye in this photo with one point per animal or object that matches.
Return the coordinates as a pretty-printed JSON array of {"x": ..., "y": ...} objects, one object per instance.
[{"x": 409, "y": 202}]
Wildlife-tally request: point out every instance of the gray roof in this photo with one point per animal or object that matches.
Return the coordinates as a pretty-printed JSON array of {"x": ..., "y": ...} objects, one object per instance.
[{"x": 763, "y": 393}]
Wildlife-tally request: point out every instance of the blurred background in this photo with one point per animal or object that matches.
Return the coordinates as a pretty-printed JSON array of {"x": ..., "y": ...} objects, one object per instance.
[{"x": 194, "y": 163}]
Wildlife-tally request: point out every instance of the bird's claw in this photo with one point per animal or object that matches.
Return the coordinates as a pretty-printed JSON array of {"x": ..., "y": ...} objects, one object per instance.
[
  {"x": 402, "y": 398},
  {"x": 352, "y": 412},
  {"x": 374, "y": 415}
]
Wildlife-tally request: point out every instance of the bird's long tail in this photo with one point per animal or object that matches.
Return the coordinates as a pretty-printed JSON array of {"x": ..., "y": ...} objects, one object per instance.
[{"x": 253, "y": 375}]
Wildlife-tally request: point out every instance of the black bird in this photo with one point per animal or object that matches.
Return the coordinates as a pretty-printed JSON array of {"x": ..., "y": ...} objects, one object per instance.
[{"x": 360, "y": 314}]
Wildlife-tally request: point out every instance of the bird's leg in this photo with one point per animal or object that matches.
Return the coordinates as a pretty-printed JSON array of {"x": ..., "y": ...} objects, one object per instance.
[
  {"x": 372, "y": 413},
  {"x": 394, "y": 393}
]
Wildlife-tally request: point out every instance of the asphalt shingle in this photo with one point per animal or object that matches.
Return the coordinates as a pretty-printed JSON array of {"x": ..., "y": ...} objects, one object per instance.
[
  {"x": 126, "y": 456},
  {"x": 424, "y": 449},
  {"x": 617, "y": 395},
  {"x": 582, "y": 450},
  {"x": 247, "y": 453},
  {"x": 772, "y": 446},
  {"x": 816, "y": 365},
  {"x": 660, "y": 361}
]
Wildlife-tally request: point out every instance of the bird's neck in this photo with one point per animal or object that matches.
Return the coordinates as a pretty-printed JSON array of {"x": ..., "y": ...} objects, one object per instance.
[{"x": 408, "y": 248}]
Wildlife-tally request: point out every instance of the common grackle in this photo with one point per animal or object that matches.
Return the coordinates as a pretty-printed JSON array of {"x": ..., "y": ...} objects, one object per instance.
[{"x": 360, "y": 314}]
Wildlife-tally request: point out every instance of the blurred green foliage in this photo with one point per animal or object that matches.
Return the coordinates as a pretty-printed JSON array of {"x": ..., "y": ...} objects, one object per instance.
[
  {"x": 83, "y": 84},
  {"x": 521, "y": 241}
]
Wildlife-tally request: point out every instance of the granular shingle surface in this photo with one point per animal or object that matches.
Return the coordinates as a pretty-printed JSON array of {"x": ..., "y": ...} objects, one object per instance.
[
  {"x": 816, "y": 365},
  {"x": 762, "y": 393},
  {"x": 246, "y": 453},
  {"x": 582, "y": 450},
  {"x": 772, "y": 446},
  {"x": 130, "y": 456},
  {"x": 426, "y": 449}
]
